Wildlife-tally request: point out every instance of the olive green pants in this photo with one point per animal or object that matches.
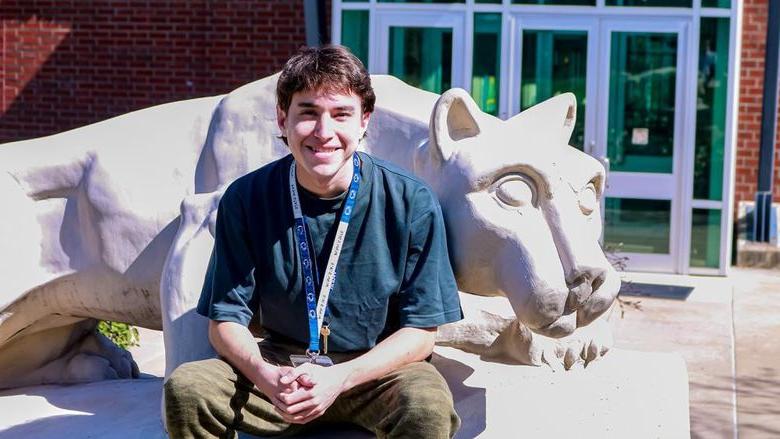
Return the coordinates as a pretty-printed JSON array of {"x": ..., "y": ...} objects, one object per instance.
[{"x": 210, "y": 398}]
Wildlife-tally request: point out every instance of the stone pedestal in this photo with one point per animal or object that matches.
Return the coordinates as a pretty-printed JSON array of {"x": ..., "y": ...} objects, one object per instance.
[{"x": 626, "y": 394}]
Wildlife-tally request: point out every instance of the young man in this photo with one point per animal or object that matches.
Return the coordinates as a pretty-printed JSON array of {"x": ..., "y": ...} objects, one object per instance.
[{"x": 346, "y": 344}]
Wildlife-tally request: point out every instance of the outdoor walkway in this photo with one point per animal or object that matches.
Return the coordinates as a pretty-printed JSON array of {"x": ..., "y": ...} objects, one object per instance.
[{"x": 727, "y": 330}]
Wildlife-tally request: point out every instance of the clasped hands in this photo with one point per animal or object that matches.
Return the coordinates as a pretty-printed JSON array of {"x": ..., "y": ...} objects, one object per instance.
[{"x": 303, "y": 393}]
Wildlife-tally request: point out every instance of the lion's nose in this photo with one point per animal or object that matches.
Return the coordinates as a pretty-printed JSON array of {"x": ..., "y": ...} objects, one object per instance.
[{"x": 583, "y": 284}]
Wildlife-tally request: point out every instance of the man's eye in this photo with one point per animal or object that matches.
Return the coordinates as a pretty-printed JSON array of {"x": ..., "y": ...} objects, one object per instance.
[{"x": 515, "y": 191}]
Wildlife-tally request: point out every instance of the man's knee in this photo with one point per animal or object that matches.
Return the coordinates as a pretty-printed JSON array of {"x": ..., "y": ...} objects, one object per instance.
[
  {"x": 190, "y": 384},
  {"x": 425, "y": 402}
]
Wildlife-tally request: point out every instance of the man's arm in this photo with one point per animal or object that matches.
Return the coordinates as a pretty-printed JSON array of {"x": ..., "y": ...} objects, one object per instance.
[
  {"x": 236, "y": 344},
  {"x": 404, "y": 346},
  {"x": 321, "y": 385}
]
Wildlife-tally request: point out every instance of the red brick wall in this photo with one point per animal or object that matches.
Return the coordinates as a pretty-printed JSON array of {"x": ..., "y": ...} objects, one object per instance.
[
  {"x": 750, "y": 103},
  {"x": 70, "y": 63}
]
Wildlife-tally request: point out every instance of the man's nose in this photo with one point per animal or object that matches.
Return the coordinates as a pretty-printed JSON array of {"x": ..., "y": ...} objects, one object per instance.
[{"x": 324, "y": 128}]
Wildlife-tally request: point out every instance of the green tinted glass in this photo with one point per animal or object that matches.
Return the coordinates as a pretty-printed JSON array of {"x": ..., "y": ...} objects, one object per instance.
[
  {"x": 637, "y": 226},
  {"x": 487, "y": 62},
  {"x": 642, "y": 102},
  {"x": 711, "y": 108},
  {"x": 716, "y": 3},
  {"x": 354, "y": 33},
  {"x": 556, "y": 2},
  {"x": 705, "y": 238},
  {"x": 555, "y": 62},
  {"x": 652, "y": 3},
  {"x": 422, "y": 57}
]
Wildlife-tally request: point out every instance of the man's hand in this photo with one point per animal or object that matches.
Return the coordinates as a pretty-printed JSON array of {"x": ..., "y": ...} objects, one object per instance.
[
  {"x": 317, "y": 388},
  {"x": 271, "y": 382},
  {"x": 235, "y": 343}
]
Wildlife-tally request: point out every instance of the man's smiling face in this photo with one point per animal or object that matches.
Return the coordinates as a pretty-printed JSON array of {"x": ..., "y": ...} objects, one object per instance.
[{"x": 323, "y": 129}]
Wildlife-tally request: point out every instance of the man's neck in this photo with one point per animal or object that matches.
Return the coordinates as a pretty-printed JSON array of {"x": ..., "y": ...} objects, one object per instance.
[{"x": 327, "y": 188}]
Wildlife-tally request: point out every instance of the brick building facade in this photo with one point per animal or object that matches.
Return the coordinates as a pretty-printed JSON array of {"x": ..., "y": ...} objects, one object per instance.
[
  {"x": 751, "y": 88},
  {"x": 66, "y": 64}
]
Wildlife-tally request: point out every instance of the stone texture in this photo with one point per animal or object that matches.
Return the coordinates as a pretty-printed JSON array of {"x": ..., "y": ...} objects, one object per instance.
[{"x": 626, "y": 394}]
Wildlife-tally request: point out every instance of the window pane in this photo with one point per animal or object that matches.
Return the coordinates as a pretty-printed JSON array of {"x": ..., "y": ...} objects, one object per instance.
[
  {"x": 716, "y": 3},
  {"x": 711, "y": 109},
  {"x": 705, "y": 238},
  {"x": 556, "y": 2},
  {"x": 422, "y": 57},
  {"x": 643, "y": 70},
  {"x": 354, "y": 33},
  {"x": 487, "y": 62},
  {"x": 669, "y": 3},
  {"x": 637, "y": 226},
  {"x": 555, "y": 62}
]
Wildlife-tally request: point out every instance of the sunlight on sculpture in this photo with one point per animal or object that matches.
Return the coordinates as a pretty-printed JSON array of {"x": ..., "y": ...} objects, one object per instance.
[{"x": 115, "y": 220}]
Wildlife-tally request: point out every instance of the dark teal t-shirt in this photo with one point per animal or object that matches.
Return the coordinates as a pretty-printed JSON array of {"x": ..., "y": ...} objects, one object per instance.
[{"x": 394, "y": 270}]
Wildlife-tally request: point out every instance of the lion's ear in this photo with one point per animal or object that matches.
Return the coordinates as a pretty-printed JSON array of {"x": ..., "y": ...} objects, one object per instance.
[
  {"x": 556, "y": 116},
  {"x": 454, "y": 119}
]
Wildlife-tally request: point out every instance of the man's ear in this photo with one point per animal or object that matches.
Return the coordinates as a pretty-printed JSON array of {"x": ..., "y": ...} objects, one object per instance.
[
  {"x": 454, "y": 119},
  {"x": 364, "y": 124},
  {"x": 281, "y": 119}
]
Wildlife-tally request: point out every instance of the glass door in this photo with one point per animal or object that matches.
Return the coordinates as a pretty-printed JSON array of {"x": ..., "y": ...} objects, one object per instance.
[
  {"x": 557, "y": 55},
  {"x": 423, "y": 49},
  {"x": 641, "y": 132}
]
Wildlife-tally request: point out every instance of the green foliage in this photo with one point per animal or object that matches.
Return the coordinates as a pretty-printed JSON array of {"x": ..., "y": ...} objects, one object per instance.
[{"x": 124, "y": 335}]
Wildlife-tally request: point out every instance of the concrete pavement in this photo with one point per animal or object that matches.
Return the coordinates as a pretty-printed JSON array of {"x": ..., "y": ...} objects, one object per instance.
[{"x": 725, "y": 329}]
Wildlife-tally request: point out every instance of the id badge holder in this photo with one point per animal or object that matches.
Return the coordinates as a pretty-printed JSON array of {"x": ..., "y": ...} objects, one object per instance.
[{"x": 319, "y": 360}]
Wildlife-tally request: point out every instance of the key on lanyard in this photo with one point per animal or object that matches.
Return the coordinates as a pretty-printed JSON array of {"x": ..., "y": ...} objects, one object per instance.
[{"x": 325, "y": 331}]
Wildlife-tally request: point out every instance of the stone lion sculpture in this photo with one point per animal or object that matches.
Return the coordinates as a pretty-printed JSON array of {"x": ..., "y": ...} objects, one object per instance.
[{"x": 114, "y": 221}]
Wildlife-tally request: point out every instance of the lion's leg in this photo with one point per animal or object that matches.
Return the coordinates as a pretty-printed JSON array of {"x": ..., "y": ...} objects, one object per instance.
[
  {"x": 490, "y": 330},
  {"x": 484, "y": 318},
  {"x": 518, "y": 344},
  {"x": 185, "y": 331},
  {"x": 72, "y": 352}
]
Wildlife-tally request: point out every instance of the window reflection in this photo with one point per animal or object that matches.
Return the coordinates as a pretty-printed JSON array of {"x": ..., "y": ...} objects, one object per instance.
[
  {"x": 422, "y": 57},
  {"x": 642, "y": 102},
  {"x": 637, "y": 226},
  {"x": 555, "y": 62}
]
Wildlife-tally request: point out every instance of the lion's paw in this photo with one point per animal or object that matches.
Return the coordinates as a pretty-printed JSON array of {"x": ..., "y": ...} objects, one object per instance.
[
  {"x": 585, "y": 345},
  {"x": 97, "y": 358},
  {"x": 518, "y": 344}
]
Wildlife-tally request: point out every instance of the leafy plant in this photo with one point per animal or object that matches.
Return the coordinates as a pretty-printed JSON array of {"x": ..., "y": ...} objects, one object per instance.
[{"x": 122, "y": 334}]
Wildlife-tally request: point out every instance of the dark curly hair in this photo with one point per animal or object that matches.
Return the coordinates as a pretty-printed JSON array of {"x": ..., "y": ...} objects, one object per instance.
[{"x": 329, "y": 68}]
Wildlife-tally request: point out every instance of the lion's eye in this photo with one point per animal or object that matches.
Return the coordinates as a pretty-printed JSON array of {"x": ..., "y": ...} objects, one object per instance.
[
  {"x": 588, "y": 199},
  {"x": 515, "y": 192}
]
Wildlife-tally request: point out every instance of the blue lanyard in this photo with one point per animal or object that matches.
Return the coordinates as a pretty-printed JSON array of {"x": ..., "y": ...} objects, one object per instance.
[{"x": 317, "y": 309}]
